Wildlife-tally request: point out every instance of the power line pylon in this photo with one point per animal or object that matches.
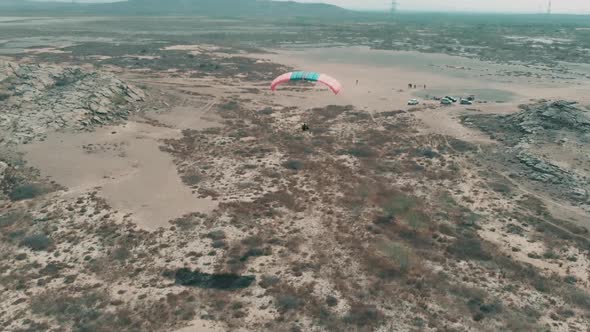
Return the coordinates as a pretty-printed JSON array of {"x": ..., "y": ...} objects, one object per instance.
[{"x": 393, "y": 10}]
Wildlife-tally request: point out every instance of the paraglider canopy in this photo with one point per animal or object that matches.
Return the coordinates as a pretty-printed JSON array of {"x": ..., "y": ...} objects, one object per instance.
[{"x": 329, "y": 81}]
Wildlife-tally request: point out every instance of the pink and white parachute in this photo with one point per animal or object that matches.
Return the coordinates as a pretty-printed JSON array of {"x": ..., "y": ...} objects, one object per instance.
[{"x": 329, "y": 81}]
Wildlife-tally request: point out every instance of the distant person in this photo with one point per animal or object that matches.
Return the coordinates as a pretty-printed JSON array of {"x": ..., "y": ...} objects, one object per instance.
[
  {"x": 304, "y": 127},
  {"x": 357, "y": 82},
  {"x": 410, "y": 86},
  {"x": 424, "y": 86},
  {"x": 415, "y": 86}
]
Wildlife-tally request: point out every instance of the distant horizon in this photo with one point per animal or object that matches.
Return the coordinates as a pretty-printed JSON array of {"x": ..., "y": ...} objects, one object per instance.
[
  {"x": 565, "y": 7},
  {"x": 470, "y": 6}
]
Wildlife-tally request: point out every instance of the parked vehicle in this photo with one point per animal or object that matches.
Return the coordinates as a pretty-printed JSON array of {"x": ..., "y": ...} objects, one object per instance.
[
  {"x": 446, "y": 101},
  {"x": 466, "y": 102},
  {"x": 413, "y": 102},
  {"x": 452, "y": 99}
]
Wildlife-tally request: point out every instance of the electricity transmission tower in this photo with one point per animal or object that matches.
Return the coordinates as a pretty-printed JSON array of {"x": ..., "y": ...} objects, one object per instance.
[{"x": 393, "y": 9}]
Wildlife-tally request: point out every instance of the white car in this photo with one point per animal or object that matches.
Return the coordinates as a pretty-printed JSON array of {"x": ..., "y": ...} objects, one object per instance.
[{"x": 413, "y": 102}]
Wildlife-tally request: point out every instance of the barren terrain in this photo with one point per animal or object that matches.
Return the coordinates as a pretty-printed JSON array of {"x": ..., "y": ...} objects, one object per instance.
[{"x": 164, "y": 187}]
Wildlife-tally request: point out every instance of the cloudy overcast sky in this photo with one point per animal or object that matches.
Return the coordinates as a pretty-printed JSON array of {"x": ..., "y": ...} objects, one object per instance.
[
  {"x": 559, "y": 6},
  {"x": 566, "y": 6}
]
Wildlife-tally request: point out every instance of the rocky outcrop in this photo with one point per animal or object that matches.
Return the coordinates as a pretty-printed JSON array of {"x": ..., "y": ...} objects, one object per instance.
[
  {"x": 538, "y": 139},
  {"x": 540, "y": 123},
  {"x": 539, "y": 169},
  {"x": 542, "y": 170},
  {"x": 559, "y": 115},
  {"x": 35, "y": 99}
]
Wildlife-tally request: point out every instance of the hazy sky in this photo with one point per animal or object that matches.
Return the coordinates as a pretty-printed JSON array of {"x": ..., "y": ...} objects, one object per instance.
[
  {"x": 534, "y": 6},
  {"x": 559, "y": 6}
]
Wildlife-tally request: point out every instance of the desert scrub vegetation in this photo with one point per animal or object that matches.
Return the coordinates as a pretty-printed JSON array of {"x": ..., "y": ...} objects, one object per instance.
[
  {"x": 404, "y": 214},
  {"x": 27, "y": 191},
  {"x": 95, "y": 310},
  {"x": 469, "y": 246},
  {"x": 360, "y": 151},
  {"x": 4, "y": 94},
  {"x": 21, "y": 182},
  {"x": 288, "y": 302},
  {"x": 396, "y": 234},
  {"x": 222, "y": 281},
  {"x": 479, "y": 303},
  {"x": 240, "y": 252},
  {"x": 37, "y": 242},
  {"x": 362, "y": 315},
  {"x": 293, "y": 164},
  {"x": 188, "y": 222},
  {"x": 401, "y": 256},
  {"x": 82, "y": 312},
  {"x": 15, "y": 225},
  {"x": 399, "y": 204},
  {"x": 14, "y": 218},
  {"x": 191, "y": 177}
]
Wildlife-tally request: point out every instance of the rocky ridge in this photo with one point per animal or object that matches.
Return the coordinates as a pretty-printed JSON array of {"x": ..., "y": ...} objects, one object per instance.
[
  {"x": 558, "y": 115},
  {"x": 561, "y": 127},
  {"x": 35, "y": 99}
]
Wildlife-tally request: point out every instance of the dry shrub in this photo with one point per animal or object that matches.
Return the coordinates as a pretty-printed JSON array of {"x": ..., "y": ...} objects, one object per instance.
[
  {"x": 287, "y": 302},
  {"x": 534, "y": 205},
  {"x": 391, "y": 259},
  {"x": 4, "y": 94},
  {"x": 27, "y": 191},
  {"x": 403, "y": 215},
  {"x": 577, "y": 297},
  {"x": 282, "y": 197},
  {"x": 360, "y": 151},
  {"x": 399, "y": 254},
  {"x": 461, "y": 146},
  {"x": 239, "y": 254},
  {"x": 15, "y": 222},
  {"x": 469, "y": 246},
  {"x": 267, "y": 281},
  {"x": 363, "y": 315},
  {"x": 187, "y": 222},
  {"x": 81, "y": 310},
  {"x": 400, "y": 205},
  {"x": 292, "y": 302},
  {"x": 392, "y": 202},
  {"x": 516, "y": 322},
  {"x": 37, "y": 242},
  {"x": 417, "y": 219},
  {"x": 500, "y": 187},
  {"x": 191, "y": 177}
]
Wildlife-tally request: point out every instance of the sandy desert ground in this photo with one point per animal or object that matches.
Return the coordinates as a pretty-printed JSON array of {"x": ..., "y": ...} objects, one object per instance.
[{"x": 383, "y": 217}]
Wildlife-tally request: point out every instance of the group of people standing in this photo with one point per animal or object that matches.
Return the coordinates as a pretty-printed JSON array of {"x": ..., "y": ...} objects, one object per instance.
[{"x": 414, "y": 86}]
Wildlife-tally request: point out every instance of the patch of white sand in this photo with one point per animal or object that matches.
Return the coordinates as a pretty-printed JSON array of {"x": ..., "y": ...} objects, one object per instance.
[
  {"x": 126, "y": 162},
  {"x": 189, "y": 117}
]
